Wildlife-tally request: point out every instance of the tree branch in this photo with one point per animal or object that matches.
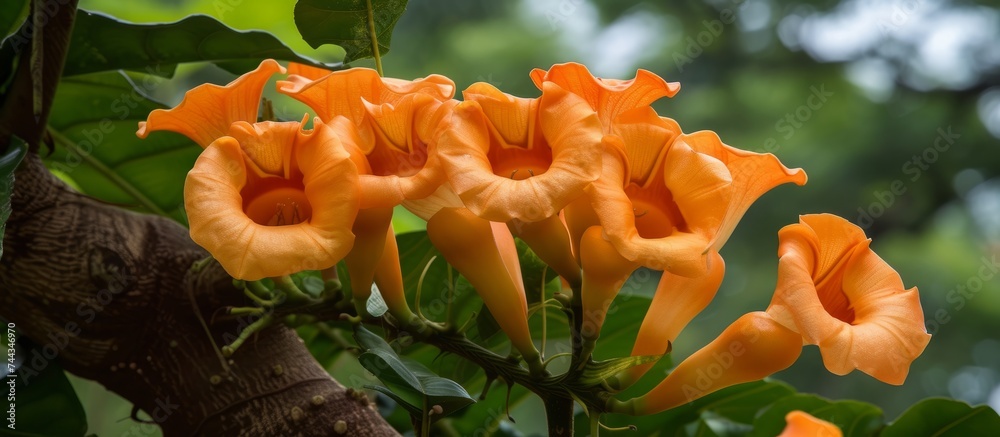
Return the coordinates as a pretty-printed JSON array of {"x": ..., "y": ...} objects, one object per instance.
[{"x": 111, "y": 290}]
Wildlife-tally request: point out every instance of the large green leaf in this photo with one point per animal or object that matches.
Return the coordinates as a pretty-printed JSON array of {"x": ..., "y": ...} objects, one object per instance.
[
  {"x": 8, "y": 163},
  {"x": 12, "y": 16},
  {"x": 411, "y": 384},
  {"x": 102, "y": 43},
  {"x": 93, "y": 121},
  {"x": 852, "y": 417},
  {"x": 942, "y": 417},
  {"x": 346, "y": 23}
]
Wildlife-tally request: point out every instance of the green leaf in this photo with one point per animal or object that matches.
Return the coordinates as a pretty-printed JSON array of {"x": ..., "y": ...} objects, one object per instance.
[
  {"x": 102, "y": 43},
  {"x": 852, "y": 417},
  {"x": 8, "y": 162},
  {"x": 12, "y": 16},
  {"x": 346, "y": 24},
  {"x": 42, "y": 393},
  {"x": 713, "y": 425},
  {"x": 413, "y": 384},
  {"x": 376, "y": 305},
  {"x": 942, "y": 417},
  {"x": 94, "y": 119}
]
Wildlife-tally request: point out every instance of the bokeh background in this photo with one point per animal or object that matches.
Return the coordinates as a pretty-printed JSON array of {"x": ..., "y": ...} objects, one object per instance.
[{"x": 892, "y": 108}]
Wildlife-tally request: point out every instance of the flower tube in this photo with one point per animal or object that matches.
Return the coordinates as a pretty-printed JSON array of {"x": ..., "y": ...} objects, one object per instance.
[
  {"x": 676, "y": 302},
  {"x": 604, "y": 272},
  {"x": 485, "y": 254},
  {"x": 838, "y": 294},
  {"x": 751, "y": 348}
]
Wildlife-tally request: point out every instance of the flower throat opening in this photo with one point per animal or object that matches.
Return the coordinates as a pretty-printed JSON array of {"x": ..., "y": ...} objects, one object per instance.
[{"x": 280, "y": 204}]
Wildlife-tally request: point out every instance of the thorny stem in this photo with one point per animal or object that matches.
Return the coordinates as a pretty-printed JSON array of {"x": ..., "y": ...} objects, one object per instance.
[{"x": 558, "y": 391}]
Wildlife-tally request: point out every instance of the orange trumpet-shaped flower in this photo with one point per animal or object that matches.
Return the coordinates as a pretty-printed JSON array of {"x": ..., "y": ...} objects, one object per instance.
[
  {"x": 751, "y": 348},
  {"x": 691, "y": 200},
  {"x": 838, "y": 294},
  {"x": 485, "y": 254},
  {"x": 265, "y": 199},
  {"x": 391, "y": 126},
  {"x": 273, "y": 199},
  {"x": 662, "y": 207},
  {"x": 802, "y": 424},
  {"x": 515, "y": 158}
]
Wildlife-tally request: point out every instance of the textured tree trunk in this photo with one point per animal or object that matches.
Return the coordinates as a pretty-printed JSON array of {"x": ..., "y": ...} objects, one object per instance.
[{"x": 112, "y": 291}]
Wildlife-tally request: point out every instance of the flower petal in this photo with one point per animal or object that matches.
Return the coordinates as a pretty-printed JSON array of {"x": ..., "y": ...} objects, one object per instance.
[
  {"x": 443, "y": 197},
  {"x": 268, "y": 144},
  {"x": 609, "y": 97},
  {"x": 801, "y": 424},
  {"x": 699, "y": 186},
  {"x": 753, "y": 174},
  {"x": 307, "y": 71},
  {"x": 208, "y": 110},
  {"x": 644, "y": 138},
  {"x": 566, "y": 124},
  {"x": 342, "y": 92}
]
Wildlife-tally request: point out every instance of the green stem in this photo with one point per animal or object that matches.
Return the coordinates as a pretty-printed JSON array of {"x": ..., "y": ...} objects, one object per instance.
[
  {"x": 107, "y": 172},
  {"x": 374, "y": 38},
  {"x": 425, "y": 420},
  {"x": 576, "y": 329}
]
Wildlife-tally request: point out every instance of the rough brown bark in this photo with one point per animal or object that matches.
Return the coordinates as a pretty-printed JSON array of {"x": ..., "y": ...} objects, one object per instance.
[{"x": 116, "y": 288}]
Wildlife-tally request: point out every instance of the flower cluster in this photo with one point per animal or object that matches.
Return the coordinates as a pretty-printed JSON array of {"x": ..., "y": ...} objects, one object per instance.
[{"x": 587, "y": 174}]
